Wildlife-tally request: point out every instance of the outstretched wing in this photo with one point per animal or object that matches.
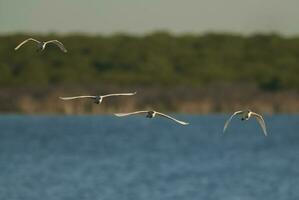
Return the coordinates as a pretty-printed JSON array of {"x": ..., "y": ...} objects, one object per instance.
[
  {"x": 131, "y": 113},
  {"x": 30, "y": 39},
  {"x": 261, "y": 122},
  {"x": 231, "y": 117},
  {"x": 57, "y": 43},
  {"x": 169, "y": 117},
  {"x": 77, "y": 97},
  {"x": 118, "y": 94}
]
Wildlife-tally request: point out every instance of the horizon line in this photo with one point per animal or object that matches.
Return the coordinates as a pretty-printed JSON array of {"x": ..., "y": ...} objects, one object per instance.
[{"x": 167, "y": 32}]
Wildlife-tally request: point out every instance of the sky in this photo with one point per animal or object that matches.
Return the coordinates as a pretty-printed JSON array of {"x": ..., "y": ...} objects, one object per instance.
[{"x": 144, "y": 16}]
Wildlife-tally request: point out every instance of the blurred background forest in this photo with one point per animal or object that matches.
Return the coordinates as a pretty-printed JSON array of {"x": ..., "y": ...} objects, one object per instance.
[{"x": 172, "y": 72}]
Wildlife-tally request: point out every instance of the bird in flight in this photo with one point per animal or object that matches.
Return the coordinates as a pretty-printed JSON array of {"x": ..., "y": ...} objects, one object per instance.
[
  {"x": 42, "y": 45},
  {"x": 97, "y": 99},
  {"x": 151, "y": 114},
  {"x": 245, "y": 115}
]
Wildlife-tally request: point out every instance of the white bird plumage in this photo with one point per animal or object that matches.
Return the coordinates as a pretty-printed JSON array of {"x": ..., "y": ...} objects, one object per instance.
[
  {"x": 151, "y": 114},
  {"x": 42, "y": 45},
  {"x": 99, "y": 98},
  {"x": 245, "y": 116}
]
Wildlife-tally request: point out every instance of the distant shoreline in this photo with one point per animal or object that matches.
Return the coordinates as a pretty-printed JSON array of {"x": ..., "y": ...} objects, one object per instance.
[{"x": 212, "y": 99}]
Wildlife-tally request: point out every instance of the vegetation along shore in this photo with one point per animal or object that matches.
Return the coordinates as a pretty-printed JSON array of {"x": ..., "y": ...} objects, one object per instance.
[{"x": 178, "y": 73}]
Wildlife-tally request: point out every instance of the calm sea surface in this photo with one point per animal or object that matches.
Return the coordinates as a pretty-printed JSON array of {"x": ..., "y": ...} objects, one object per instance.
[{"x": 109, "y": 158}]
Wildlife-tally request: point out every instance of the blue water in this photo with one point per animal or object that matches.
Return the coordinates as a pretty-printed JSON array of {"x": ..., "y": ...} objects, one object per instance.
[{"x": 103, "y": 157}]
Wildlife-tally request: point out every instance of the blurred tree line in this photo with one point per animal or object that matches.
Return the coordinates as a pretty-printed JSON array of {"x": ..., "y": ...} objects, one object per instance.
[{"x": 269, "y": 61}]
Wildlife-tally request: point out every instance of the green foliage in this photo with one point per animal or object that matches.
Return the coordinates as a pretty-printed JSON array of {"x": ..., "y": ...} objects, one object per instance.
[{"x": 269, "y": 61}]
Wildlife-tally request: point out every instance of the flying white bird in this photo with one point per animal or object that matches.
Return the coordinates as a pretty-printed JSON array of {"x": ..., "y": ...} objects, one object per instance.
[
  {"x": 99, "y": 98},
  {"x": 151, "y": 114},
  {"x": 42, "y": 45},
  {"x": 245, "y": 115}
]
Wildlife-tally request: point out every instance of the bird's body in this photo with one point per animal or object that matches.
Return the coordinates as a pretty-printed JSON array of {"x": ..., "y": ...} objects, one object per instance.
[
  {"x": 42, "y": 45},
  {"x": 151, "y": 114},
  {"x": 245, "y": 115},
  {"x": 98, "y": 98}
]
